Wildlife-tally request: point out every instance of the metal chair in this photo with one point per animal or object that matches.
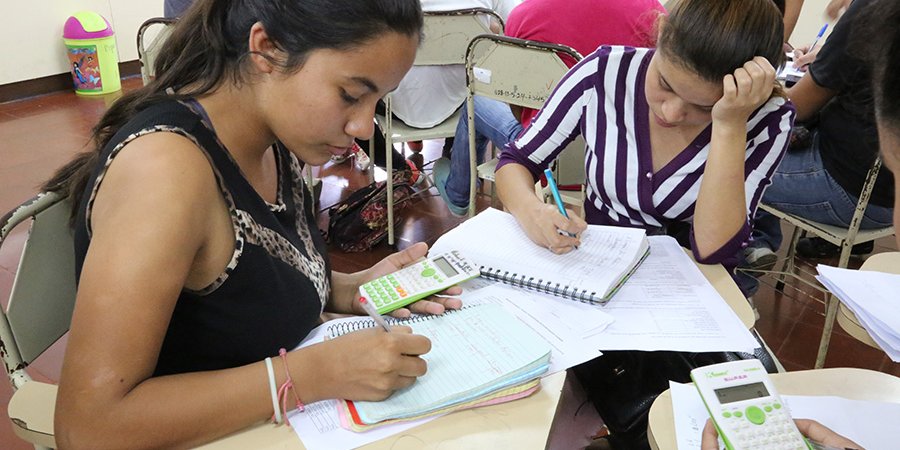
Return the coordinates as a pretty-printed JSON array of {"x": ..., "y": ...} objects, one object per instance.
[
  {"x": 523, "y": 73},
  {"x": 151, "y": 36},
  {"x": 446, "y": 38},
  {"x": 40, "y": 310},
  {"x": 845, "y": 238}
]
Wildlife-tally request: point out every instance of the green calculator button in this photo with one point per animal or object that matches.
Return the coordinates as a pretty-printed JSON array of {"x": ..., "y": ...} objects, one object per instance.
[
  {"x": 768, "y": 408},
  {"x": 738, "y": 414},
  {"x": 755, "y": 415},
  {"x": 429, "y": 272},
  {"x": 726, "y": 414},
  {"x": 777, "y": 405}
]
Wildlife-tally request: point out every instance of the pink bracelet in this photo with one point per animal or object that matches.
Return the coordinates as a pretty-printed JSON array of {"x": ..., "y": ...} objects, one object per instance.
[{"x": 288, "y": 385}]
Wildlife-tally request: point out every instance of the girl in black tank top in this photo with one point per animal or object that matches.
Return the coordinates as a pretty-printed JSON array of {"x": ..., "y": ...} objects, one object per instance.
[{"x": 200, "y": 266}]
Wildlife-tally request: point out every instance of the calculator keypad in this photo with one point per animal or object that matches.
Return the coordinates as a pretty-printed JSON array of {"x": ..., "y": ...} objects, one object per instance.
[
  {"x": 399, "y": 286},
  {"x": 766, "y": 426}
]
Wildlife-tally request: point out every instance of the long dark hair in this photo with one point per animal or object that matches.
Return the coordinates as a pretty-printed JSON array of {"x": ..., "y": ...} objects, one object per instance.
[
  {"x": 713, "y": 38},
  {"x": 210, "y": 43}
]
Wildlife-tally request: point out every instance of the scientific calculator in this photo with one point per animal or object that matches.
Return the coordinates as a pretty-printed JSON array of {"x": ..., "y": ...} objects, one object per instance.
[
  {"x": 746, "y": 408},
  {"x": 417, "y": 281}
]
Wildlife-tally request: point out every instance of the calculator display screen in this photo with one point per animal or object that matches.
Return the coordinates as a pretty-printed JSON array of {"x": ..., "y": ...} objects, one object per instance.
[
  {"x": 445, "y": 267},
  {"x": 743, "y": 392}
]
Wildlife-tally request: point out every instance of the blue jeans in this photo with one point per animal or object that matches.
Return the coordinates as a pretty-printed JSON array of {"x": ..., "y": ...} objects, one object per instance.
[
  {"x": 494, "y": 121},
  {"x": 802, "y": 186}
]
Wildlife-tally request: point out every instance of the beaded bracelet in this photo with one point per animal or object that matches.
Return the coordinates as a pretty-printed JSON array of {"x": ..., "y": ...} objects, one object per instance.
[
  {"x": 276, "y": 417},
  {"x": 287, "y": 386}
]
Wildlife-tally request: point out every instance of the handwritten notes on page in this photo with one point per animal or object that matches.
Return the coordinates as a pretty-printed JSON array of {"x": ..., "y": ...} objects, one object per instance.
[{"x": 669, "y": 305}]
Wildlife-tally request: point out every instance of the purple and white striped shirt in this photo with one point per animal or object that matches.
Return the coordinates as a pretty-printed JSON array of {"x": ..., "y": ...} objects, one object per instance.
[{"x": 602, "y": 98}]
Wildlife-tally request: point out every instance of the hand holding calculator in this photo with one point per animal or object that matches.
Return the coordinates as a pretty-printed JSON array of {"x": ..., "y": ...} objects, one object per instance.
[
  {"x": 417, "y": 281},
  {"x": 745, "y": 408}
]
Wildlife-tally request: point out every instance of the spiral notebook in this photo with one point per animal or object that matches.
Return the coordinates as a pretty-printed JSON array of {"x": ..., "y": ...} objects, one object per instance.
[
  {"x": 593, "y": 273},
  {"x": 475, "y": 353}
]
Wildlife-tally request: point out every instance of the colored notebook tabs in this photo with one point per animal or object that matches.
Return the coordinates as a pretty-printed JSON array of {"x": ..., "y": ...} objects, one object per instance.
[
  {"x": 479, "y": 355},
  {"x": 495, "y": 242}
]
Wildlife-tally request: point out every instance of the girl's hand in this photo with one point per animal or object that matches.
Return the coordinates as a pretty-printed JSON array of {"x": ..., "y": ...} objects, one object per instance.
[
  {"x": 743, "y": 91},
  {"x": 371, "y": 364},
  {"x": 803, "y": 57},
  {"x": 399, "y": 260},
  {"x": 544, "y": 223}
]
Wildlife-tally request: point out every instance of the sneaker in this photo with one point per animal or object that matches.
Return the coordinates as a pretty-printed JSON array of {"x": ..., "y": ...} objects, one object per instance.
[
  {"x": 417, "y": 177},
  {"x": 362, "y": 158},
  {"x": 815, "y": 247},
  {"x": 760, "y": 258},
  {"x": 441, "y": 171}
]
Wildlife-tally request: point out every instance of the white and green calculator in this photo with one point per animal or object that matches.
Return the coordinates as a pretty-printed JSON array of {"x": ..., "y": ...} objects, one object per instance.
[
  {"x": 417, "y": 281},
  {"x": 746, "y": 409}
]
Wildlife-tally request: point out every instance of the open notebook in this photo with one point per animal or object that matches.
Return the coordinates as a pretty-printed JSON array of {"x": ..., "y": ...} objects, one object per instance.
[
  {"x": 476, "y": 353},
  {"x": 593, "y": 273}
]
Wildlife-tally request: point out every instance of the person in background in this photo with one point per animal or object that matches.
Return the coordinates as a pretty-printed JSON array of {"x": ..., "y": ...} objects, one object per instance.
[
  {"x": 790, "y": 10},
  {"x": 197, "y": 253},
  {"x": 428, "y": 95},
  {"x": 581, "y": 24},
  {"x": 821, "y": 177},
  {"x": 173, "y": 9}
]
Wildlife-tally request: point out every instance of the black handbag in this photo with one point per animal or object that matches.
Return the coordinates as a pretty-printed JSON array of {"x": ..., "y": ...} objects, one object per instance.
[{"x": 622, "y": 385}]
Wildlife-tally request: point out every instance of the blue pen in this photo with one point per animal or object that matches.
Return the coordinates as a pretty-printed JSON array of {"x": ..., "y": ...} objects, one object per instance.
[
  {"x": 819, "y": 36},
  {"x": 559, "y": 203}
]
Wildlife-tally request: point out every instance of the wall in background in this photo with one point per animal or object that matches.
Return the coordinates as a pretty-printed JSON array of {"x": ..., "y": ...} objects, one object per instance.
[
  {"x": 32, "y": 33},
  {"x": 812, "y": 17}
]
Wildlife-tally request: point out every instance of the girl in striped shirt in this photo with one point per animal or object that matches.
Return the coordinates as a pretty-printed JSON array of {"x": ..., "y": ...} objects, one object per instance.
[{"x": 685, "y": 136}]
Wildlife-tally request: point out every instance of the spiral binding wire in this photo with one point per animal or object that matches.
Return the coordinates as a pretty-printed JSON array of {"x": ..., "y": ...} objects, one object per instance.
[
  {"x": 540, "y": 285},
  {"x": 340, "y": 329}
]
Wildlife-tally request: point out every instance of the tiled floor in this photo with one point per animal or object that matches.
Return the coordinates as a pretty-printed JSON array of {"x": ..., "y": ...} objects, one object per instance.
[{"x": 38, "y": 135}]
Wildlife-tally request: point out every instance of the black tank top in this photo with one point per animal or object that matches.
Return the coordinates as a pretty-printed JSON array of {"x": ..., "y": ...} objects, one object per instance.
[{"x": 278, "y": 279}]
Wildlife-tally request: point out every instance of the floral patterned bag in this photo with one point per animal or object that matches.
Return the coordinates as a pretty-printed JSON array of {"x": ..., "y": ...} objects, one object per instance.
[{"x": 359, "y": 222}]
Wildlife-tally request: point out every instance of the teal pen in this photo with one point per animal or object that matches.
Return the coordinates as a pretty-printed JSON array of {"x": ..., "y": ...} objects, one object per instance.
[{"x": 559, "y": 203}]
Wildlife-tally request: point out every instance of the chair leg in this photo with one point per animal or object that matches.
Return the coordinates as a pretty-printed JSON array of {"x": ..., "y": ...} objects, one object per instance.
[
  {"x": 389, "y": 163},
  {"x": 831, "y": 305},
  {"x": 788, "y": 266}
]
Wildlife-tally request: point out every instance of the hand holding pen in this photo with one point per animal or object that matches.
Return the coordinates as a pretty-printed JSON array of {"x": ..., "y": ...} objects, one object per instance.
[
  {"x": 804, "y": 57},
  {"x": 569, "y": 227}
]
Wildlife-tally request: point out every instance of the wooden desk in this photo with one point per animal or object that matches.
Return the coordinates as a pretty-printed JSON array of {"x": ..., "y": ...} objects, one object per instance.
[
  {"x": 882, "y": 262},
  {"x": 857, "y": 384},
  {"x": 523, "y": 424}
]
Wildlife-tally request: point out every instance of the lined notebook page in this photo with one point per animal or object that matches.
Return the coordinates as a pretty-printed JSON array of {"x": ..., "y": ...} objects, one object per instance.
[
  {"x": 495, "y": 240},
  {"x": 474, "y": 351}
]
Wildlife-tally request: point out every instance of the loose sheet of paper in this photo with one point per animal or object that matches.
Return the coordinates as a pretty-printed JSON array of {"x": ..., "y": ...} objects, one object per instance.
[
  {"x": 668, "y": 304},
  {"x": 864, "y": 422}
]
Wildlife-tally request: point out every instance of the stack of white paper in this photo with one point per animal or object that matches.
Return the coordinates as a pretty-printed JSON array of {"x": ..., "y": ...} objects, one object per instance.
[{"x": 872, "y": 296}]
